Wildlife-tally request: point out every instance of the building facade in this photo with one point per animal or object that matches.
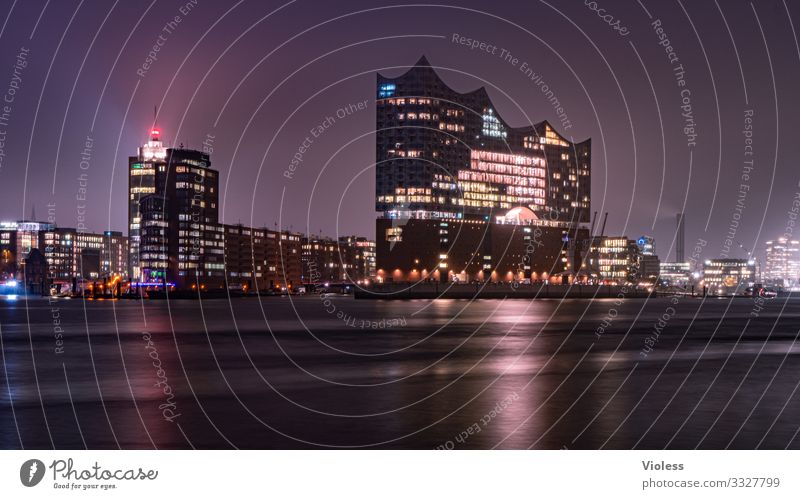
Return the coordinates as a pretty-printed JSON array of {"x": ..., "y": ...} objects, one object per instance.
[
  {"x": 77, "y": 255},
  {"x": 17, "y": 239},
  {"x": 183, "y": 245},
  {"x": 141, "y": 182},
  {"x": 262, "y": 260},
  {"x": 647, "y": 245},
  {"x": 8, "y": 251},
  {"x": 615, "y": 259},
  {"x": 114, "y": 254},
  {"x": 346, "y": 259},
  {"x": 177, "y": 241},
  {"x": 449, "y": 167},
  {"x": 181, "y": 239},
  {"x": 782, "y": 265},
  {"x": 363, "y": 250},
  {"x": 728, "y": 275},
  {"x": 677, "y": 274}
]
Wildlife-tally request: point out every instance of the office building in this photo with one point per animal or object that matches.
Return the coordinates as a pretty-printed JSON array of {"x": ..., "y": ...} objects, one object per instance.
[
  {"x": 347, "y": 259},
  {"x": 74, "y": 256},
  {"x": 729, "y": 275},
  {"x": 262, "y": 260},
  {"x": 182, "y": 242},
  {"x": 114, "y": 254},
  {"x": 322, "y": 260},
  {"x": 284, "y": 261},
  {"x": 141, "y": 182},
  {"x": 17, "y": 239},
  {"x": 363, "y": 250},
  {"x": 782, "y": 266},
  {"x": 677, "y": 274},
  {"x": 615, "y": 259},
  {"x": 183, "y": 245}
]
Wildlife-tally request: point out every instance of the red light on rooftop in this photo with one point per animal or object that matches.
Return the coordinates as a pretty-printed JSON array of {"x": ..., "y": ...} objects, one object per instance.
[{"x": 155, "y": 133}]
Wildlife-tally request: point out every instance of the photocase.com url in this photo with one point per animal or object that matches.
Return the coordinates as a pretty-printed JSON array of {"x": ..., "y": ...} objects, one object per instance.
[{"x": 729, "y": 483}]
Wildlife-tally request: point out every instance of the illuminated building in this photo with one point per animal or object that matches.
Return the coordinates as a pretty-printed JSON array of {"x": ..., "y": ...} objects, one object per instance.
[
  {"x": 347, "y": 259},
  {"x": 262, "y": 259},
  {"x": 495, "y": 252},
  {"x": 675, "y": 273},
  {"x": 648, "y": 261},
  {"x": 184, "y": 245},
  {"x": 154, "y": 244},
  {"x": 8, "y": 250},
  {"x": 615, "y": 258},
  {"x": 245, "y": 256},
  {"x": 647, "y": 245},
  {"x": 75, "y": 254},
  {"x": 59, "y": 250},
  {"x": 141, "y": 182},
  {"x": 284, "y": 260},
  {"x": 182, "y": 242},
  {"x": 447, "y": 161},
  {"x": 114, "y": 254},
  {"x": 443, "y": 154},
  {"x": 17, "y": 239},
  {"x": 322, "y": 260},
  {"x": 363, "y": 251},
  {"x": 782, "y": 263},
  {"x": 176, "y": 238},
  {"x": 728, "y": 275}
]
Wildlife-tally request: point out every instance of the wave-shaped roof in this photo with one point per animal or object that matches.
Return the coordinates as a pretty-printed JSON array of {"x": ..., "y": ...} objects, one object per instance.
[{"x": 423, "y": 65}]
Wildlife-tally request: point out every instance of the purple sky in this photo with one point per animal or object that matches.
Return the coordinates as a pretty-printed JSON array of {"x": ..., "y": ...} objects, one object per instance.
[{"x": 258, "y": 83}]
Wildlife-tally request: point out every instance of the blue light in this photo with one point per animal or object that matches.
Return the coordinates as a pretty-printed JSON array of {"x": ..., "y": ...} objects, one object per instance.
[
  {"x": 156, "y": 284},
  {"x": 386, "y": 90},
  {"x": 641, "y": 241},
  {"x": 11, "y": 283}
]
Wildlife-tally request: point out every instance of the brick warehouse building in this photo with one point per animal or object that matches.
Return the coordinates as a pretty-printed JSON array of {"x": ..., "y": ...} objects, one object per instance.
[{"x": 462, "y": 195}]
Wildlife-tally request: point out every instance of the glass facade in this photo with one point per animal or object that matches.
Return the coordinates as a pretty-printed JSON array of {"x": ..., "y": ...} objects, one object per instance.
[
  {"x": 783, "y": 263},
  {"x": 444, "y": 154},
  {"x": 141, "y": 182}
]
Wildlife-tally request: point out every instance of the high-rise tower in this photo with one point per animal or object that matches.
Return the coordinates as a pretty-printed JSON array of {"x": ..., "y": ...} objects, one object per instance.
[
  {"x": 182, "y": 241},
  {"x": 141, "y": 182}
]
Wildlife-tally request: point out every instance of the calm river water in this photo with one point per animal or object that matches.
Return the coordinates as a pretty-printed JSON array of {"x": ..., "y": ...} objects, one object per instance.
[{"x": 284, "y": 372}]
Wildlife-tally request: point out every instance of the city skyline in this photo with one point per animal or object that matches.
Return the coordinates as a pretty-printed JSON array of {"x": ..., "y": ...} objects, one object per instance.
[
  {"x": 120, "y": 120},
  {"x": 470, "y": 225}
]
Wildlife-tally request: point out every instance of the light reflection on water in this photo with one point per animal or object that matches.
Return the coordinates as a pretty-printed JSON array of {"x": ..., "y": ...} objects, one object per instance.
[{"x": 246, "y": 374}]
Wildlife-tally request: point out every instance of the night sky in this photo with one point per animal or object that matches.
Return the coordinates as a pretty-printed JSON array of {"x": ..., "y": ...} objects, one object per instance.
[{"x": 252, "y": 78}]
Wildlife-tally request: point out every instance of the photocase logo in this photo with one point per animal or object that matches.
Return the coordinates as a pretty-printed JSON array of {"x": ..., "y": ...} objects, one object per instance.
[{"x": 31, "y": 472}]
